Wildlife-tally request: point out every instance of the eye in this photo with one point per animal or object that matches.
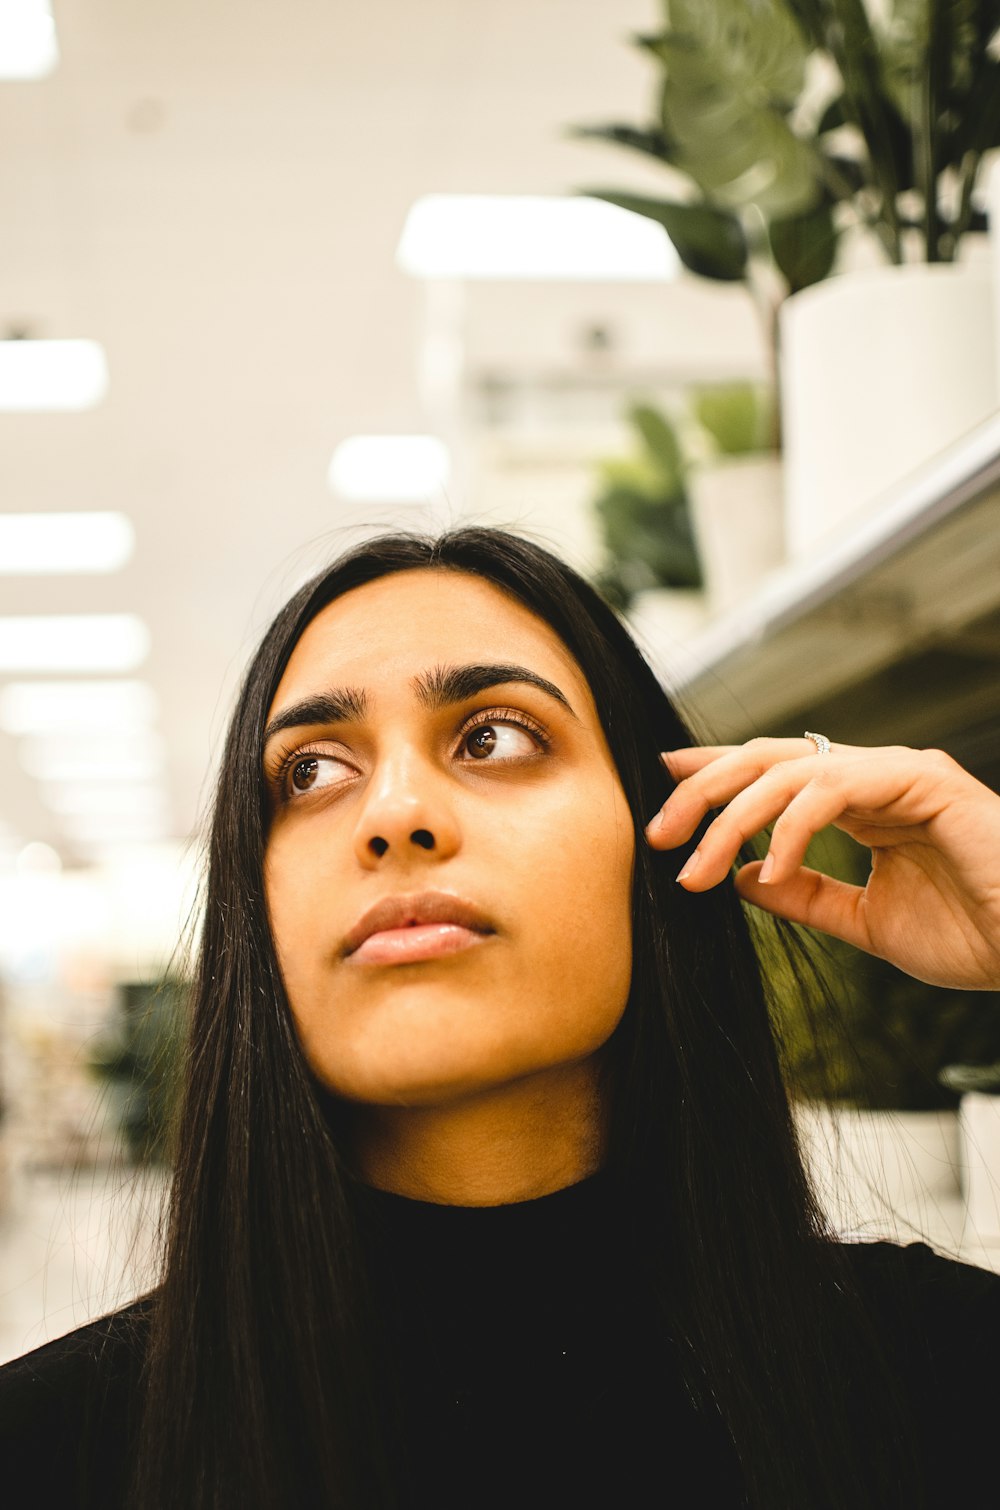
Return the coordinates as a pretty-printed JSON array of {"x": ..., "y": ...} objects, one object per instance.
[
  {"x": 307, "y": 771},
  {"x": 498, "y": 738}
]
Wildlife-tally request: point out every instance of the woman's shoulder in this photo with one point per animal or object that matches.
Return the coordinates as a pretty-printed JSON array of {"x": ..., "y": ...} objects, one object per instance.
[
  {"x": 917, "y": 1272},
  {"x": 113, "y": 1344},
  {"x": 941, "y": 1314},
  {"x": 68, "y": 1409}
]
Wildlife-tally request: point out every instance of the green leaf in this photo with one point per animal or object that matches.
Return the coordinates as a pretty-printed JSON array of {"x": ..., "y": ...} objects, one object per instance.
[
  {"x": 709, "y": 241},
  {"x": 804, "y": 247},
  {"x": 651, "y": 142},
  {"x": 848, "y": 36},
  {"x": 738, "y": 416},
  {"x": 723, "y": 106},
  {"x": 833, "y": 117},
  {"x": 660, "y": 439},
  {"x": 978, "y": 126},
  {"x": 756, "y": 49},
  {"x": 652, "y": 542}
]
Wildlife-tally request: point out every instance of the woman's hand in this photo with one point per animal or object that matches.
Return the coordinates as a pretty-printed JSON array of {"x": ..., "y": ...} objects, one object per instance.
[{"x": 932, "y": 902}]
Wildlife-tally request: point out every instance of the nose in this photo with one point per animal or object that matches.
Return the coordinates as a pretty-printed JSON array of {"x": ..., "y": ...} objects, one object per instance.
[{"x": 407, "y": 810}]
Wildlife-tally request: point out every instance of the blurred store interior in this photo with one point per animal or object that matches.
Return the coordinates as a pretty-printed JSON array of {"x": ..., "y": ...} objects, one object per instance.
[{"x": 274, "y": 278}]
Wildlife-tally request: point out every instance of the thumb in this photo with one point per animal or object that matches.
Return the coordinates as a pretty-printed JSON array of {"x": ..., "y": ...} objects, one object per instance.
[{"x": 811, "y": 898}]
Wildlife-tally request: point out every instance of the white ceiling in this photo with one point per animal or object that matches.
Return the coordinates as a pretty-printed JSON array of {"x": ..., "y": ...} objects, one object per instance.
[{"x": 215, "y": 191}]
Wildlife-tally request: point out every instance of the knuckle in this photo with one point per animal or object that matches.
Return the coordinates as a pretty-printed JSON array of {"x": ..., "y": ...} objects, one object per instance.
[
  {"x": 781, "y": 825},
  {"x": 939, "y": 760}
]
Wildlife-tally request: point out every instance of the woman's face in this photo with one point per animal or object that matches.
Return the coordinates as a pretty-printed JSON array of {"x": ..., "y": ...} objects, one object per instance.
[{"x": 438, "y": 738}]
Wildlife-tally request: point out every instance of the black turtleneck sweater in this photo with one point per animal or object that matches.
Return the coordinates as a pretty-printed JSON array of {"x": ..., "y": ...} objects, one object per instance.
[{"x": 532, "y": 1371}]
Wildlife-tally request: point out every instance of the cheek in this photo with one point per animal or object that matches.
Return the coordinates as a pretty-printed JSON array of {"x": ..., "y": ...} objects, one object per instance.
[
  {"x": 293, "y": 893},
  {"x": 582, "y": 887}
]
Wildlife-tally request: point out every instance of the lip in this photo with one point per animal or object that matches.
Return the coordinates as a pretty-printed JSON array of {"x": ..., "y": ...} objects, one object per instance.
[{"x": 443, "y": 921}]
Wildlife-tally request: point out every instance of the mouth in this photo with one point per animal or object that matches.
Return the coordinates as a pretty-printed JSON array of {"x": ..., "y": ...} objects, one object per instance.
[
  {"x": 417, "y": 942},
  {"x": 405, "y": 929}
]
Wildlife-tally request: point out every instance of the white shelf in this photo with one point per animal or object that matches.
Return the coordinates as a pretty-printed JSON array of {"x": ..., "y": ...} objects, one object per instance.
[{"x": 918, "y": 569}]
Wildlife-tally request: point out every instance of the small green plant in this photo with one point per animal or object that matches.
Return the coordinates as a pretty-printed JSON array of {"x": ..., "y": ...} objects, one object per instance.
[
  {"x": 737, "y": 418},
  {"x": 644, "y": 514},
  {"x": 643, "y": 505}
]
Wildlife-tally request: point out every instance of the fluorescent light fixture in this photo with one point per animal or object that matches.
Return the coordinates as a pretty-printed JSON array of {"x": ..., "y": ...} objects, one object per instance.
[
  {"x": 41, "y": 543},
  {"x": 28, "y": 47},
  {"x": 93, "y": 799},
  {"x": 72, "y": 642},
  {"x": 134, "y": 755},
  {"x": 389, "y": 468},
  {"x": 43, "y": 376},
  {"x": 41, "y": 707},
  {"x": 532, "y": 236}
]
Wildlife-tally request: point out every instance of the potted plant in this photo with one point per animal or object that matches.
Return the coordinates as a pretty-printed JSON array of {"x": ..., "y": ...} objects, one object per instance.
[
  {"x": 735, "y": 489},
  {"x": 788, "y": 130},
  {"x": 652, "y": 571},
  {"x": 693, "y": 519}
]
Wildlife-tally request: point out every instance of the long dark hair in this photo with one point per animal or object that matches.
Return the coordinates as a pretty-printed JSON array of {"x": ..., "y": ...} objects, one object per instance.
[{"x": 261, "y": 1374}]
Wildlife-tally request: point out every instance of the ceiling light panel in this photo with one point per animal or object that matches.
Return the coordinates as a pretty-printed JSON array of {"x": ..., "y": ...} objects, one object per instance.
[
  {"x": 40, "y": 707},
  {"x": 50, "y": 376},
  {"x": 389, "y": 468},
  {"x": 84, "y": 542},
  {"x": 533, "y": 236},
  {"x": 72, "y": 642},
  {"x": 28, "y": 45}
]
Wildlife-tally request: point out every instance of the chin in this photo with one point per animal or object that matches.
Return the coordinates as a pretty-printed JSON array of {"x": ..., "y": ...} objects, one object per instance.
[{"x": 436, "y": 1082}]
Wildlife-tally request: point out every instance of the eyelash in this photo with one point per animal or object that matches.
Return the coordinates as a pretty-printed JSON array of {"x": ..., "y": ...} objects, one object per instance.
[
  {"x": 476, "y": 721},
  {"x": 503, "y": 716}
]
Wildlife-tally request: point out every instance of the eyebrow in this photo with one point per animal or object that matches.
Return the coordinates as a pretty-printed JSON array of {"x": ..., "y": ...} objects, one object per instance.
[{"x": 440, "y": 688}]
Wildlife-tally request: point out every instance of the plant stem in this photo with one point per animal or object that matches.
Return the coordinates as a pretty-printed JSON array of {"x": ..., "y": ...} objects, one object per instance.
[
  {"x": 925, "y": 130},
  {"x": 850, "y": 41},
  {"x": 768, "y": 311},
  {"x": 970, "y": 168}
]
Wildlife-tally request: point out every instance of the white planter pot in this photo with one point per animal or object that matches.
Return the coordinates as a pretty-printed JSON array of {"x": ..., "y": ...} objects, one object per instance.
[
  {"x": 737, "y": 510},
  {"x": 979, "y": 1122},
  {"x": 880, "y": 370},
  {"x": 870, "y": 1167}
]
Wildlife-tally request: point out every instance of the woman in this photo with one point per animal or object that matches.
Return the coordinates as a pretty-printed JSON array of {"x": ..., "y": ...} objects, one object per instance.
[{"x": 486, "y": 1189}]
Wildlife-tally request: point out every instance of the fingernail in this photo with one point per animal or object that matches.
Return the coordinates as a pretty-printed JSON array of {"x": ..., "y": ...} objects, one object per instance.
[
  {"x": 767, "y": 869},
  {"x": 688, "y": 866}
]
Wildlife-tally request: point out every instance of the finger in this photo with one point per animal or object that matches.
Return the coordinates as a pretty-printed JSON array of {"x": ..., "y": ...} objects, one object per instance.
[
  {"x": 686, "y": 760},
  {"x": 859, "y": 795},
  {"x": 690, "y": 758},
  {"x": 797, "y": 815},
  {"x": 721, "y": 781},
  {"x": 774, "y": 783},
  {"x": 811, "y": 898},
  {"x": 718, "y": 773}
]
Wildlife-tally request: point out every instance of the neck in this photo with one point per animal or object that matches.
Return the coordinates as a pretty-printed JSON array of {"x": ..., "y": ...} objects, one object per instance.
[{"x": 514, "y": 1142}]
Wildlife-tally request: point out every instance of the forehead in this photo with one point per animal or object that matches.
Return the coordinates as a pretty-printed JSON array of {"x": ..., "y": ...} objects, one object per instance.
[{"x": 387, "y": 631}]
